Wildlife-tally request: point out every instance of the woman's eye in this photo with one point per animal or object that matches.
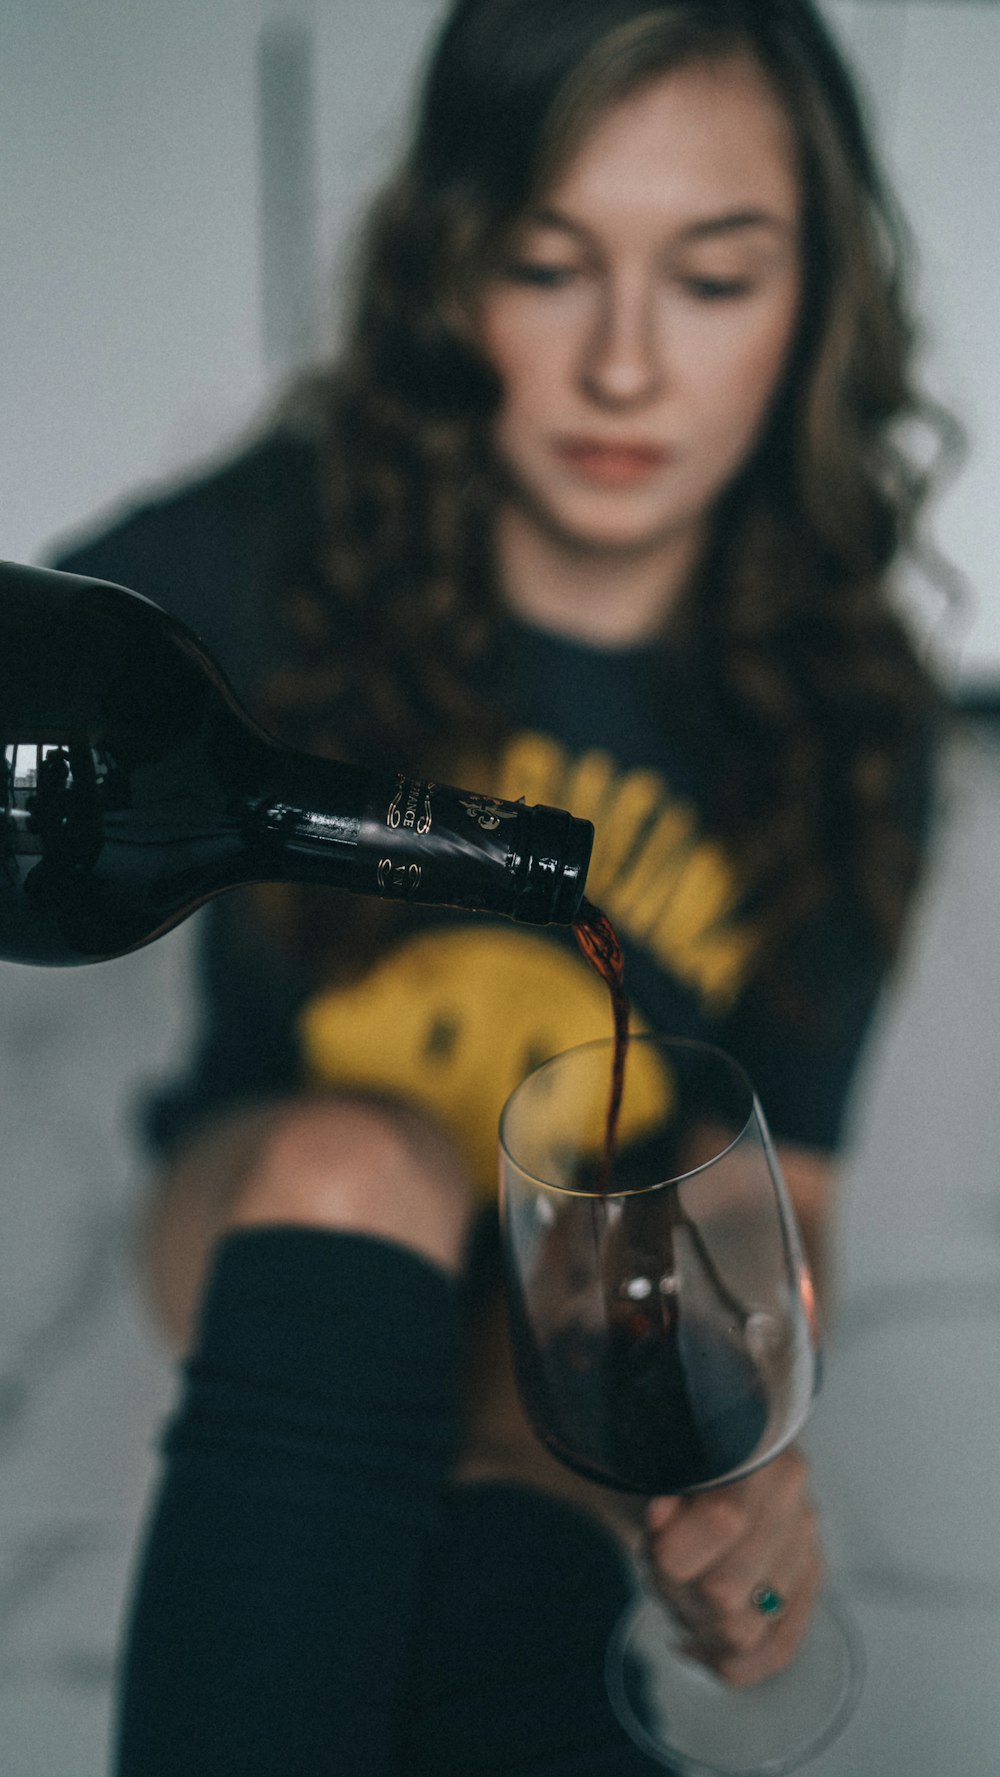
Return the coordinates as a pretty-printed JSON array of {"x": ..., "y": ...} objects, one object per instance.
[
  {"x": 537, "y": 273},
  {"x": 718, "y": 289}
]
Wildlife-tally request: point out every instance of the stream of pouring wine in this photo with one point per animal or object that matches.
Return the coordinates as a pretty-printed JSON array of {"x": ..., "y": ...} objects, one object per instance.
[{"x": 602, "y": 948}]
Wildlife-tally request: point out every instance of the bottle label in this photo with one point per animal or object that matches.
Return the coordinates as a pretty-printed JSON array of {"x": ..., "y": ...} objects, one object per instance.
[
  {"x": 426, "y": 842},
  {"x": 410, "y": 807}
]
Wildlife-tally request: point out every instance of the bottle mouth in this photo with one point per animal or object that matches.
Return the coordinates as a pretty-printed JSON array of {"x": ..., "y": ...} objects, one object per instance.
[{"x": 554, "y": 869}]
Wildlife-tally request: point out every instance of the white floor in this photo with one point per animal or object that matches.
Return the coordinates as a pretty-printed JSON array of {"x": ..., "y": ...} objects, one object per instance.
[{"x": 906, "y": 1438}]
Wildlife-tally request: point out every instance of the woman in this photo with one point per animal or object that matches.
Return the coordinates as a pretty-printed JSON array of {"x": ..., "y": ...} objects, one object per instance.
[{"x": 598, "y": 507}]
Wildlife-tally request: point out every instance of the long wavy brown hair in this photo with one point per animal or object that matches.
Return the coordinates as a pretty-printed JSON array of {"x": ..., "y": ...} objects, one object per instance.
[{"x": 821, "y": 703}]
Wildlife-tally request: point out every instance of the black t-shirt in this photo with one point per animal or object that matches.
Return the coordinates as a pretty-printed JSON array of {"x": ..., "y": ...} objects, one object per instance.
[{"x": 454, "y": 1012}]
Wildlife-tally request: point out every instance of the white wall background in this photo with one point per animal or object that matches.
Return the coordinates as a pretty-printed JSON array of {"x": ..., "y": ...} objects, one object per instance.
[
  {"x": 130, "y": 288},
  {"x": 930, "y": 68},
  {"x": 132, "y": 338}
]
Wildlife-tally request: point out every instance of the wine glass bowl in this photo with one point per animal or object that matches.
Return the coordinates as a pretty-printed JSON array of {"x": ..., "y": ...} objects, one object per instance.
[{"x": 662, "y": 1317}]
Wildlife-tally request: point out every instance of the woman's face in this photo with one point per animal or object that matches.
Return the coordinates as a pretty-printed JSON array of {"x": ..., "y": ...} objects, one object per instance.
[{"x": 643, "y": 316}]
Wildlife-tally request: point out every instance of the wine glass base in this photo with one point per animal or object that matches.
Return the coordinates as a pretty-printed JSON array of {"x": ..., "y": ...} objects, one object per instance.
[{"x": 682, "y": 1715}]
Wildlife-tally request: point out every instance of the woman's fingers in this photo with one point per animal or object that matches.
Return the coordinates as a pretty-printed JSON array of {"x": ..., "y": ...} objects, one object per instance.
[
  {"x": 748, "y": 1652},
  {"x": 728, "y": 1630},
  {"x": 712, "y": 1553},
  {"x": 708, "y": 1527}
]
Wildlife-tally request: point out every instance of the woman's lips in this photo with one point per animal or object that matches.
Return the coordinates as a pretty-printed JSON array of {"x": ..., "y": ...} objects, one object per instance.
[{"x": 613, "y": 465}]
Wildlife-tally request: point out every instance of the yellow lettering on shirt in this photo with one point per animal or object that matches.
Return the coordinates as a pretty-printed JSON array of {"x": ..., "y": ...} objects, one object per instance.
[{"x": 661, "y": 880}]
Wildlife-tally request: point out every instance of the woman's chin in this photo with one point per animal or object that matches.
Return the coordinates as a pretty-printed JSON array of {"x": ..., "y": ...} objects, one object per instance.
[{"x": 614, "y": 534}]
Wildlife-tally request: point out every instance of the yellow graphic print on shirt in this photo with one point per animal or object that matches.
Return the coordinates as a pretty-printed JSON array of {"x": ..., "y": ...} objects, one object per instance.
[
  {"x": 454, "y": 1017},
  {"x": 452, "y": 1020}
]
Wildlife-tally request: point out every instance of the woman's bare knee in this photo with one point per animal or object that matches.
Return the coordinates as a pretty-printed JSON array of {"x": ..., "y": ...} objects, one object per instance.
[
  {"x": 358, "y": 1166},
  {"x": 364, "y": 1167}
]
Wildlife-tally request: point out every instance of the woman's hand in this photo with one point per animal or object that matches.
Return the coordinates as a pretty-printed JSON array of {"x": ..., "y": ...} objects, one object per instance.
[{"x": 710, "y": 1553}]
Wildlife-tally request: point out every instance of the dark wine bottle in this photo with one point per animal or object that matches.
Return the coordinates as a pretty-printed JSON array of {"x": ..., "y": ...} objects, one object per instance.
[{"x": 135, "y": 787}]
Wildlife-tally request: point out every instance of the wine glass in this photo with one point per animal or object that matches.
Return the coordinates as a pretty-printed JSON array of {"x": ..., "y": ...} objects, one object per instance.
[{"x": 666, "y": 1340}]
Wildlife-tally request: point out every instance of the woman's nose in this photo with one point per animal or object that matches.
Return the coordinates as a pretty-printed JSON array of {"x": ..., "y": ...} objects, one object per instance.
[{"x": 624, "y": 362}]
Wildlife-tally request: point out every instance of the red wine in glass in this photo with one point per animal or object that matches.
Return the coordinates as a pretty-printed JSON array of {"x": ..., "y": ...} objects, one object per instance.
[{"x": 650, "y": 1403}]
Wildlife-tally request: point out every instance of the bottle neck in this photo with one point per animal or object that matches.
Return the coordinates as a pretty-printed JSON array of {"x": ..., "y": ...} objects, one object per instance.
[{"x": 398, "y": 837}]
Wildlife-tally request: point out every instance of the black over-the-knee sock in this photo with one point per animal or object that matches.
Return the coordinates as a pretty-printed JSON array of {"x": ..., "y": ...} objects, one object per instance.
[{"x": 275, "y": 1604}]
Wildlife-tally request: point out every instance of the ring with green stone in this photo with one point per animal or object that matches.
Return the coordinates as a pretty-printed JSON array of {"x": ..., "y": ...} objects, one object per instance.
[{"x": 767, "y": 1600}]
